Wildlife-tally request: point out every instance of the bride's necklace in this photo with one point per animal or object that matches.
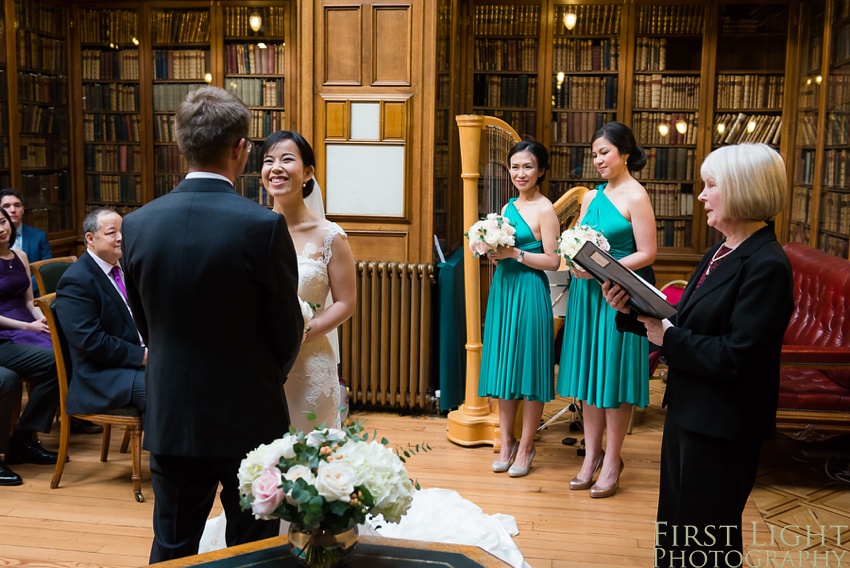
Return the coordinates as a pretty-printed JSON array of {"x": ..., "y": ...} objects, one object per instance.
[{"x": 715, "y": 258}]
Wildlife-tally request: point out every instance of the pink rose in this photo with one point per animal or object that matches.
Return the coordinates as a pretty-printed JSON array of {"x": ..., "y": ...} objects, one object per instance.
[{"x": 267, "y": 493}]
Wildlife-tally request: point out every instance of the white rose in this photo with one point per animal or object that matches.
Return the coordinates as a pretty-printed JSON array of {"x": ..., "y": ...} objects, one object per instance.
[
  {"x": 335, "y": 481},
  {"x": 280, "y": 448},
  {"x": 300, "y": 472}
]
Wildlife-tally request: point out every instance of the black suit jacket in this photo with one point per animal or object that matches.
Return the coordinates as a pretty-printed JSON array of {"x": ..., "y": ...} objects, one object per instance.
[
  {"x": 212, "y": 281},
  {"x": 723, "y": 354},
  {"x": 104, "y": 345}
]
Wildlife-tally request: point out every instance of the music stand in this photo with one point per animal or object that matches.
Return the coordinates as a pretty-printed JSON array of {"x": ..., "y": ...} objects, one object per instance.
[{"x": 559, "y": 287}]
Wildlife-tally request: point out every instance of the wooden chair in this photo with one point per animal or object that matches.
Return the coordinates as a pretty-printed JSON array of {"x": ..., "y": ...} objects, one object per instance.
[
  {"x": 128, "y": 416},
  {"x": 673, "y": 290},
  {"x": 48, "y": 272}
]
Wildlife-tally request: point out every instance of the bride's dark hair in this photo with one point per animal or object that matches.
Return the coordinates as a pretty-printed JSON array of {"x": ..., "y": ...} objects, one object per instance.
[{"x": 304, "y": 149}]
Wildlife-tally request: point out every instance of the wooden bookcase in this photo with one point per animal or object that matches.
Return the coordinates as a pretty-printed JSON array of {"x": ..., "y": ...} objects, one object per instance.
[{"x": 5, "y": 139}]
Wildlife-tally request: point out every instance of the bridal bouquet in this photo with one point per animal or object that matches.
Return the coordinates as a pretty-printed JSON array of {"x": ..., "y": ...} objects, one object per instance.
[
  {"x": 489, "y": 234},
  {"x": 325, "y": 479},
  {"x": 573, "y": 239}
]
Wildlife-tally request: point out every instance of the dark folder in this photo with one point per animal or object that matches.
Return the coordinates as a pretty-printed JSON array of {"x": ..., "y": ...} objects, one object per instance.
[{"x": 644, "y": 298}]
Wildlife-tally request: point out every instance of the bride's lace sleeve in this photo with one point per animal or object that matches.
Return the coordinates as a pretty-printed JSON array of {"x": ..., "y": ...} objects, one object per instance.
[{"x": 327, "y": 250}]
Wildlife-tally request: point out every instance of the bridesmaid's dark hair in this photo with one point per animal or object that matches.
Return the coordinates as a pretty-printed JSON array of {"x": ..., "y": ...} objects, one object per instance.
[
  {"x": 13, "y": 232},
  {"x": 304, "y": 149},
  {"x": 536, "y": 149},
  {"x": 623, "y": 139}
]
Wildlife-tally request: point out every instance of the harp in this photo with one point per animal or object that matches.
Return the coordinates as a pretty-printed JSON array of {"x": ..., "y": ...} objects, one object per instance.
[{"x": 484, "y": 145}]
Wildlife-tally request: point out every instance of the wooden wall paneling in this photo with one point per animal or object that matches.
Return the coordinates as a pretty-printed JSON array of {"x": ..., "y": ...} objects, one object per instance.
[
  {"x": 391, "y": 45},
  {"x": 790, "y": 104},
  {"x": 343, "y": 52},
  {"x": 393, "y": 120},
  {"x": 379, "y": 243},
  {"x": 336, "y": 120}
]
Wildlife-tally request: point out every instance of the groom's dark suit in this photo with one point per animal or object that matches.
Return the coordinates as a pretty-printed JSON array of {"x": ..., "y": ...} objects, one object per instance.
[
  {"x": 212, "y": 283},
  {"x": 104, "y": 344}
]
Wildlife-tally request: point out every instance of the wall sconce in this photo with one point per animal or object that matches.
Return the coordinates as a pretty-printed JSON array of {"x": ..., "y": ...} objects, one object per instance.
[
  {"x": 255, "y": 21},
  {"x": 681, "y": 126},
  {"x": 561, "y": 76},
  {"x": 208, "y": 77},
  {"x": 721, "y": 128},
  {"x": 135, "y": 41},
  {"x": 751, "y": 125},
  {"x": 570, "y": 19},
  {"x": 663, "y": 129},
  {"x": 818, "y": 79},
  {"x": 261, "y": 45}
]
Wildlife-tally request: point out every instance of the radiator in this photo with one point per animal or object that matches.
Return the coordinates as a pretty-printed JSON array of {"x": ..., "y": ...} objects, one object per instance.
[{"x": 385, "y": 348}]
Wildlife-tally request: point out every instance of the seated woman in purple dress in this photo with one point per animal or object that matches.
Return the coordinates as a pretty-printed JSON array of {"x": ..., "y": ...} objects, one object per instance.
[{"x": 20, "y": 321}]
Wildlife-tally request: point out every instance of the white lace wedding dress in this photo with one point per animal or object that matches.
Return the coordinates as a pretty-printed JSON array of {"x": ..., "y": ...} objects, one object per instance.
[{"x": 313, "y": 382}]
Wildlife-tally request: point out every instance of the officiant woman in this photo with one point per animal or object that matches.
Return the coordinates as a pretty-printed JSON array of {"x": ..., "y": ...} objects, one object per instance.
[{"x": 722, "y": 350}]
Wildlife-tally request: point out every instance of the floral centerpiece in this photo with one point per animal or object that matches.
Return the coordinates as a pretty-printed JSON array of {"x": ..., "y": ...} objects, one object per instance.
[
  {"x": 324, "y": 483},
  {"x": 489, "y": 234},
  {"x": 574, "y": 238}
]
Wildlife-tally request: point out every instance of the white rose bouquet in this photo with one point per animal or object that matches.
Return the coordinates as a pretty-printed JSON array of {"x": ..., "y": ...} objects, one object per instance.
[
  {"x": 573, "y": 239},
  {"x": 489, "y": 234},
  {"x": 326, "y": 479}
]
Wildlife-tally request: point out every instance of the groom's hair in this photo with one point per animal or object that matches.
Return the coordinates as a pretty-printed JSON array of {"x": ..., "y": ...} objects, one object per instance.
[{"x": 304, "y": 149}]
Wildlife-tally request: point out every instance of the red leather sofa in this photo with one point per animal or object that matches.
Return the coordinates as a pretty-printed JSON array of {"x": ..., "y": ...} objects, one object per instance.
[{"x": 814, "y": 391}]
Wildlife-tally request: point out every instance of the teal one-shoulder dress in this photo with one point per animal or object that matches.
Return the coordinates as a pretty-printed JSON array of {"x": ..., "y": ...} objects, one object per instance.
[
  {"x": 517, "y": 360},
  {"x": 598, "y": 363}
]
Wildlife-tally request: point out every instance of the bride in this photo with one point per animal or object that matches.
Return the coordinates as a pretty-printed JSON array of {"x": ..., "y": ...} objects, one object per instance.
[{"x": 325, "y": 264}]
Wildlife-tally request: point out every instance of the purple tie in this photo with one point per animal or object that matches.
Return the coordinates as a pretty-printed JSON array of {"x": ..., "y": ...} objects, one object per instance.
[{"x": 116, "y": 274}]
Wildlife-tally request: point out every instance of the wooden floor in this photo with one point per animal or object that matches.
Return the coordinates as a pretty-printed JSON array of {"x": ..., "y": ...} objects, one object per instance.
[{"x": 92, "y": 519}]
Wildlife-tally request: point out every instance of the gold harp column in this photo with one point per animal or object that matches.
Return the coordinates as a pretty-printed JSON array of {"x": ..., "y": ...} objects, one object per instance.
[{"x": 474, "y": 422}]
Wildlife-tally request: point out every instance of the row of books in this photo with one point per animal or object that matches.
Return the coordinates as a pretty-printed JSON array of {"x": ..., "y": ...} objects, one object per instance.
[
  {"x": 163, "y": 128},
  {"x": 37, "y": 88},
  {"x": 667, "y": 164},
  {"x": 504, "y": 91},
  {"x": 110, "y": 96},
  {"x": 590, "y": 19},
  {"x": 736, "y": 129},
  {"x": 122, "y": 65},
  {"x": 167, "y": 96},
  {"x": 443, "y": 54},
  {"x": 108, "y": 26},
  {"x": 244, "y": 59},
  {"x": 750, "y": 91},
  {"x": 441, "y": 161},
  {"x": 838, "y": 127},
  {"x": 180, "y": 26},
  {"x": 664, "y": 91},
  {"x": 572, "y": 162},
  {"x": 586, "y": 54},
  {"x": 168, "y": 159},
  {"x": 835, "y": 212},
  {"x": 191, "y": 64},
  {"x": 250, "y": 187},
  {"x": 4, "y": 160},
  {"x": 237, "y": 20},
  {"x": 585, "y": 92},
  {"x": 805, "y": 167},
  {"x": 264, "y": 122},
  {"x": 257, "y": 92},
  {"x": 121, "y": 209},
  {"x": 839, "y": 89},
  {"x": 801, "y": 199},
  {"x": 523, "y": 121},
  {"x": 729, "y": 25},
  {"x": 807, "y": 128},
  {"x": 650, "y": 54},
  {"x": 557, "y": 188},
  {"x": 111, "y": 127},
  {"x": 670, "y": 19},
  {"x": 113, "y": 158},
  {"x": 109, "y": 189},
  {"x": 668, "y": 200},
  {"x": 41, "y": 17},
  {"x": 41, "y": 53},
  {"x": 444, "y": 89},
  {"x": 807, "y": 94},
  {"x": 578, "y": 127},
  {"x": 506, "y": 20},
  {"x": 841, "y": 44},
  {"x": 673, "y": 232},
  {"x": 676, "y": 128},
  {"x": 37, "y": 119},
  {"x": 44, "y": 152},
  {"x": 798, "y": 233},
  {"x": 833, "y": 245},
  {"x": 505, "y": 54},
  {"x": 835, "y": 168},
  {"x": 163, "y": 183}
]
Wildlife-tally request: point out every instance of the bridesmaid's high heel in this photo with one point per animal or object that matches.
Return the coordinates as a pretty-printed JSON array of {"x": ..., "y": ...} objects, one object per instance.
[
  {"x": 501, "y": 467},
  {"x": 578, "y": 484}
]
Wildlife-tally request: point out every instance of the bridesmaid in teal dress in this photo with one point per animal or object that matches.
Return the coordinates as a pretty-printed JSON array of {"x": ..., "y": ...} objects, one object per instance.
[
  {"x": 517, "y": 359},
  {"x": 606, "y": 369}
]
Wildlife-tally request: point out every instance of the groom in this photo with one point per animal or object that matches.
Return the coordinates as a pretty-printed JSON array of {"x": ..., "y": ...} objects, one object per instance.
[{"x": 211, "y": 281}]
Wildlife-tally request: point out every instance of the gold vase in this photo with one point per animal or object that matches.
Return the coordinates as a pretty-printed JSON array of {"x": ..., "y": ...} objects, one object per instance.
[{"x": 322, "y": 548}]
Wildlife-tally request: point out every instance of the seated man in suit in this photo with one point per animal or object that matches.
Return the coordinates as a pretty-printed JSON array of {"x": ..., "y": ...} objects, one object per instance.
[
  {"x": 29, "y": 239},
  {"x": 107, "y": 354}
]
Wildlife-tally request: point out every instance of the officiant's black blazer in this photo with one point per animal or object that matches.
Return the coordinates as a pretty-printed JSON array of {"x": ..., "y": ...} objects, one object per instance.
[
  {"x": 212, "y": 282},
  {"x": 723, "y": 353}
]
